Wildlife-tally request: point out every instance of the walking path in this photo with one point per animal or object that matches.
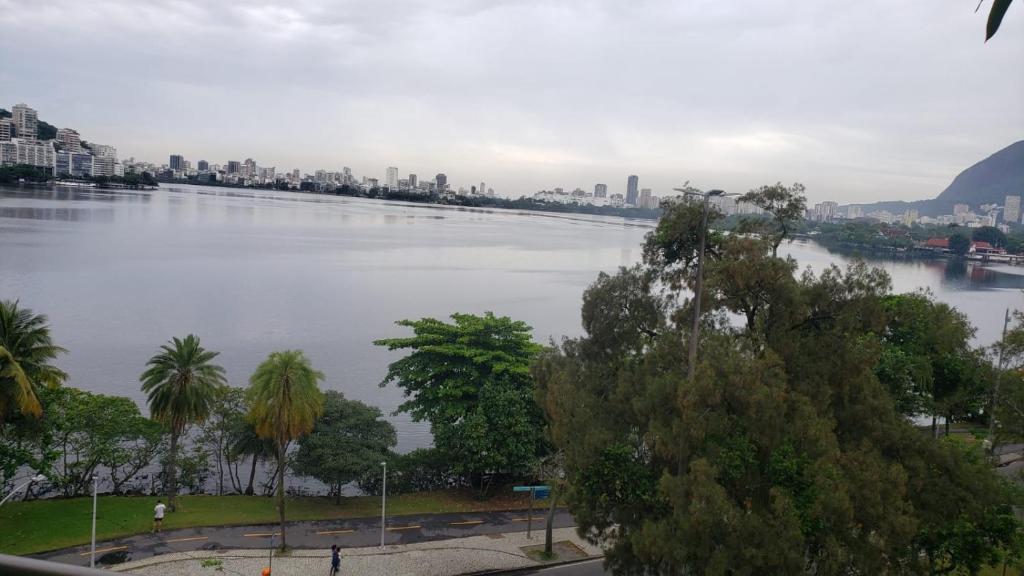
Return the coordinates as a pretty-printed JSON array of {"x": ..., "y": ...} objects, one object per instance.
[
  {"x": 313, "y": 535},
  {"x": 474, "y": 554}
]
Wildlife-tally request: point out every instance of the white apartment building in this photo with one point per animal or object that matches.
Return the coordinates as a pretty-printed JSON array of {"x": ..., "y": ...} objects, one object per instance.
[
  {"x": 1011, "y": 210},
  {"x": 26, "y": 121}
]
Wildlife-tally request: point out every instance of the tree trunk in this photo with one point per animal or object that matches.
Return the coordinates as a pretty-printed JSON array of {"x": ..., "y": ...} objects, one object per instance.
[
  {"x": 551, "y": 520},
  {"x": 935, "y": 428},
  {"x": 172, "y": 473},
  {"x": 337, "y": 493},
  {"x": 220, "y": 466},
  {"x": 252, "y": 476},
  {"x": 280, "y": 492},
  {"x": 948, "y": 418}
]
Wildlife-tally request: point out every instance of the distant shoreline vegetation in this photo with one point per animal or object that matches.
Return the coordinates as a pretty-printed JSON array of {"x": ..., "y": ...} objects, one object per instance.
[{"x": 28, "y": 174}]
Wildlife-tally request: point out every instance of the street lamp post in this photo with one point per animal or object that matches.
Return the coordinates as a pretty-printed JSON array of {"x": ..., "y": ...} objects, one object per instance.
[
  {"x": 383, "y": 501},
  {"x": 36, "y": 478},
  {"x": 699, "y": 285},
  {"x": 92, "y": 554}
]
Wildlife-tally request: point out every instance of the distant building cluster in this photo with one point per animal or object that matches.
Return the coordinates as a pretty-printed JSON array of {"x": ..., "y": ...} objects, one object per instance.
[
  {"x": 632, "y": 197},
  {"x": 64, "y": 154},
  {"x": 1003, "y": 217}
]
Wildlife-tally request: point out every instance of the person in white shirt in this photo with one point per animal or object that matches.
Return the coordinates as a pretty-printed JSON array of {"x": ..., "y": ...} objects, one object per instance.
[{"x": 158, "y": 515}]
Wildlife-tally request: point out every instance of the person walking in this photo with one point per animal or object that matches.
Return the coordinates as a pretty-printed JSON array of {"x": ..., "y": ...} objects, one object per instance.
[
  {"x": 335, "y": 559},
  {"x": 158, "y": 516}
]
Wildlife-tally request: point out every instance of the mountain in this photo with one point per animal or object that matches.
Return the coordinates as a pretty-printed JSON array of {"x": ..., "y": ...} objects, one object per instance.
[{"x": 989, "y": 181}]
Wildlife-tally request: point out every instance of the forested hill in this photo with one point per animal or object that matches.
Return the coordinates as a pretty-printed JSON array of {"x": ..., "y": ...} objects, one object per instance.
[{"x": 986, "y": 182}]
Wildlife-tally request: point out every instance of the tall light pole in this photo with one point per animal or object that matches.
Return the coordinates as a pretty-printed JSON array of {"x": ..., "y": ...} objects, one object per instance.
[
  {"x": 699, "y": 285},
  {"x": 36, "y": 478},
  {"x": 383, "y": 501},
  {"x": 92, "y": 555}
]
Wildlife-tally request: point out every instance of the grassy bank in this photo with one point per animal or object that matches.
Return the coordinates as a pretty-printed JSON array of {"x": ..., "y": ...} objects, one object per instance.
[{"x": 42, "y": 525}]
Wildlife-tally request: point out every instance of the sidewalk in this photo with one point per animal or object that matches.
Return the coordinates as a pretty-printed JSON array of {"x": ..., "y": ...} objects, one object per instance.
[{"x": 439, "y": 558}]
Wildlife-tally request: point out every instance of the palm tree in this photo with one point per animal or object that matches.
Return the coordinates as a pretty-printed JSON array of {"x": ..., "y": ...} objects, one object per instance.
[
  {"x": 285, "y": 403},
  {"x": 182, "y": 385},
  {"x": 25, "y": 354}
]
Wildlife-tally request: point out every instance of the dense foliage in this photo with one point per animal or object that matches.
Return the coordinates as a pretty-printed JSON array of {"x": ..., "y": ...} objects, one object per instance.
[
  {"x": 348, "y": 442},
  {"x": 470, "y": 379},
  {"x": 785, "y": 454}
]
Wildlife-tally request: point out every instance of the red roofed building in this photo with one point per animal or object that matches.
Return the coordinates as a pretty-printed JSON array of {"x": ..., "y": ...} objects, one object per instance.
[{"x": 937, "y": 243}]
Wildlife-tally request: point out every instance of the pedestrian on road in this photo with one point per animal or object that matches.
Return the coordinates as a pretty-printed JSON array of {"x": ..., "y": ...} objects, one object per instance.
[
  {"x": 158, "y": 516},
  {"x": 335, "y": 559}
]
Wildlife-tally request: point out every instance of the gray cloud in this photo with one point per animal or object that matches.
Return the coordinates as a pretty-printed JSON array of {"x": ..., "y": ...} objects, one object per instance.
[{"x": 859, "y": 100}]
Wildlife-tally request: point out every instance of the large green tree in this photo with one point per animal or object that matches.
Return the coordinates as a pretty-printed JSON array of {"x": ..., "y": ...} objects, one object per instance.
[
  {"x": 926, "y": 360},
  {"x": 27, "y": 353},
  {"x": 181, "y": 383},
  {"x": 349, "y": 440},
  {"x": 227, "y": 416},
  {"x": 285, "y": 402},
  {"x": 471, "y": 380},
  {"x": 784, "y": 455},
  {"x": 785, "y": 207}
]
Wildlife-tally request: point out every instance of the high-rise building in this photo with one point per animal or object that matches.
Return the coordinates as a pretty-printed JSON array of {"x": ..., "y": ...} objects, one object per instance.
[
  {"x": 1011, "y": 210},
  {"x": 632, "y": 189},
  {"x": 482, "y": 189},
  {"x": 645, "y": 198},
  {"x": 177, "y": 162},
  {"x": 234, "y": 166},
  {"x": 392, "y": 177},
  {"x": 960, "y": 209},
  {"x": 69, "y": 140},
  {"x": 104, "y": 151},
  {"x": 441, "y": 181},
  {"x": 203, "y": 166},
  {"x": 854, "y": 211},
  {"x": 6, "y": 129},
  {"x": 600, "y": 190},
  {"x": 249, "y": 168},
  {"x": 412, "y": 180},
  {"x": 26, "y": 121}
]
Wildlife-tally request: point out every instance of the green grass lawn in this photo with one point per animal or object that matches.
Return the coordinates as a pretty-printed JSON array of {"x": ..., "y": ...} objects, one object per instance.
[{"x": 42, "y": 525}]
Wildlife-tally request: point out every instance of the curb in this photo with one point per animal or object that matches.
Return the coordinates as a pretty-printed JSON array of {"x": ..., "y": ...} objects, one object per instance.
[{"x": 529, "y": 569}]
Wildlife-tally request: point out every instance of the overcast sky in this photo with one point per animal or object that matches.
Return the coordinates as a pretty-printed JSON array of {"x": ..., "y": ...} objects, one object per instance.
[{"x": 860, "y": 100}]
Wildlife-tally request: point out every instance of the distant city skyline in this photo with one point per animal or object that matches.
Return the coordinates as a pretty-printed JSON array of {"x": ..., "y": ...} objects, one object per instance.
[{"x": 861, "y": 101}]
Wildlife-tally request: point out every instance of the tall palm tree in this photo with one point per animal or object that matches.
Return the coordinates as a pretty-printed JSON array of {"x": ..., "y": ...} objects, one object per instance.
[
  {"x": 26, "y": 351},
  {"x": 285, "y": 402},
  {"x": 182, "y": 384}
]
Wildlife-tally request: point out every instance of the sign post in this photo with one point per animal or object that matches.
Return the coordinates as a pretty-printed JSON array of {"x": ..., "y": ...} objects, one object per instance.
[{"x": 544, "y": 490}]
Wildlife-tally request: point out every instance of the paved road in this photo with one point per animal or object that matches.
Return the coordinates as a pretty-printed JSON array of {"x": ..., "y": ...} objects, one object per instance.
[{"x": 348, "y": 533}]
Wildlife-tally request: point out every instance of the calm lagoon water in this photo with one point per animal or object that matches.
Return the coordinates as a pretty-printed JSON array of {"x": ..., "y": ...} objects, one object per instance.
[{"x": 120, "y": 272}]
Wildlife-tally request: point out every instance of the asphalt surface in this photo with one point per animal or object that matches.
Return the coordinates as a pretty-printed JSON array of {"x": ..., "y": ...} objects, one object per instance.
[{"x": 347, "y": 533}]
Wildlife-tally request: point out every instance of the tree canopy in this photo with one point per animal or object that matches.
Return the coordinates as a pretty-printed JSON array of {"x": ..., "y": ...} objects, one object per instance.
[
  {"x": 784, "y": 455},
  {"x": 348, "y": 441},
  {"x": 26, "y": 355},
  {"x": 471, "y": 380}
]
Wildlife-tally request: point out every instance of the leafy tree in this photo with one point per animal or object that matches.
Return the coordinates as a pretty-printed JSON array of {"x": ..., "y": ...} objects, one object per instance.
[
  {"x": 285, "y": 402},
  {"x": 26, "y": 356},
  {"x": 422, "y": 470},
  {"x": 227, "y": 414},
  {"x": 783, "y": 455},
  {"x": 990, "y": 234},
  {"x": 86, "y": 432},
  {"x": 348, "y": 441},
  {"x": 181, "y": 383},
  {"x": 470, "y": 379},
  {"x": 786, "y": 205},
  {"x": 959, "y": 244},
  {"x": 927, "y": 362}
]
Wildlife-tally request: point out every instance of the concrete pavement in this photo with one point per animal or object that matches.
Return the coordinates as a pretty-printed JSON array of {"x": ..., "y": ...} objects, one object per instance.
[
  {"x": 470, "y": 555},
  {"x": 313, "y": 535}
]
